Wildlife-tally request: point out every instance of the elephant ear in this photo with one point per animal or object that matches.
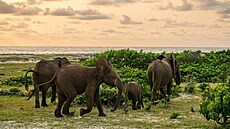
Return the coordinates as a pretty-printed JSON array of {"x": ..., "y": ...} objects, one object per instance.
[
  {"x": 174, "y": 65},
  {"x": 101, "y": 67},
  {"x": 110, "y": 64}
]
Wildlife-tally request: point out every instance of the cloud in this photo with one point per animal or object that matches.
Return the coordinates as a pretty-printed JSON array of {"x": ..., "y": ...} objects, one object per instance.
[
  {"x": 20, "y": 25},
  {"x": 109, "y": 30},
  {"x": 3, "y": 23},
  {"x": 152, "y": 19},
  {"x": 28, "y": 11},
  {"x": 5, "y": 8},
  {"x": 62, "y": 12},
  {"x": 224, "y": 11},
  {"x": 93, "y": 17},
  {"x": 128, "y": 20},
  {"x": 171, "y": 23},
  {"x": 186, "y": 6},
  {"x": 88, "y": 12},
  {"x": 207, "y": 4},
  {"x": 225, "y": 16},
  {"x": 111, "y": 2}
]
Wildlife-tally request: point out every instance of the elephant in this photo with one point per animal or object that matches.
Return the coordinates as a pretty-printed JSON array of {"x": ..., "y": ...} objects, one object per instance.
[
  {"x": 73, "y": 79},
  {"x": 133, "y": 91},
  {"x": 43, "y": 72},
  {"x": 160, "y": 74}
]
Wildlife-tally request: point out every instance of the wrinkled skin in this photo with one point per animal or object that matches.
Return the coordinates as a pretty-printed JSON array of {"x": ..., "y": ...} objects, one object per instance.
[
  {"x": 160, "y": 74},
  {"x": 43, "y": 72},
  {"x": 73, "y": 79},
  {"x": 133, "y": 91}
]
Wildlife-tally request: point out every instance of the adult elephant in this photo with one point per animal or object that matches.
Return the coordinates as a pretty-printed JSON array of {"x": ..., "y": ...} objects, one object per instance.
[
  {"x": 133, "y": 91},
  {"x": 43, "y": 72},
  {"x": 73, "y": 79},
  {"x": 160, "y": 74}
]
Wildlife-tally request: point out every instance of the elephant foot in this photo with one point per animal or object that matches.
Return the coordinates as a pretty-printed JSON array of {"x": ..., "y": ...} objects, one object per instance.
[
  {"x": 155, "y": 103},
  {"x": 68, "y": 113},
  {"x": 82, "y": 112},
  {"x": 102, "y": 114},
  {"x": 126, "y": 110},
  {"x": 57, "y": 113},
  {"x": 44, "y": 105},
  {"x": 37, "y": 106},
  {"x": 138, "y": 106}
]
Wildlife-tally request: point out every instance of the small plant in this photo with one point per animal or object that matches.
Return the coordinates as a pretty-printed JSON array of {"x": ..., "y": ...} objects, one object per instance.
[
  {"x": 203, "y": 86},
  {"x": 15, "y": 90},
  {"x": 215, "y": 105},
  {"x": 190, "y": 87},
  {"x": 174, "y": 115},
  {"x": 175, "y": 90},
  {"x": 192, "y": 109}
]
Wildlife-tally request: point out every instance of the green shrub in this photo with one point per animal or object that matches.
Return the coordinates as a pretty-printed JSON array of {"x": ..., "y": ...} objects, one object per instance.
[
  {"x": 174, "y": 115},
  {"x": 216, "y": 105},
  {"x": 203, "y": 86},
  {"x": 15, "y": 89},
  {"x": 17, "y": 81},
  {"x": 175, "y": 90},
  {"x": 189, "y": 88}
]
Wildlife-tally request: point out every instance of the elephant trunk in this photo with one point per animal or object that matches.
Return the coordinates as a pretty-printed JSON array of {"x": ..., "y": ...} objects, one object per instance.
[{"x": 120, "y": 89}]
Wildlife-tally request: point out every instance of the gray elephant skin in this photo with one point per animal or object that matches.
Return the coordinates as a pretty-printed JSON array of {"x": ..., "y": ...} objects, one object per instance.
[
  {"x": 160, "y": 74},
  {"x": 73, "y": 79},
  {"x": 133, "y": 91},
  {"x": 43, "y": 72}
]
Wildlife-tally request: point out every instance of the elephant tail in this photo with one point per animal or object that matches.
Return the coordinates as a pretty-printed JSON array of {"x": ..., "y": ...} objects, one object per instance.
[
  {"x": 31, "y": 93},
  {"x": 26, "y": 81}
]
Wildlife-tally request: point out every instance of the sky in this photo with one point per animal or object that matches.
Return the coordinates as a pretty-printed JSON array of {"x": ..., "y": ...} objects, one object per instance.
[{"x": 116, "y": 23}]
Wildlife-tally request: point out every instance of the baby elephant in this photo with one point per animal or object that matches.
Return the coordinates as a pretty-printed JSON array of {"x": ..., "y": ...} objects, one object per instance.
[{"x": 133, "y": 92}]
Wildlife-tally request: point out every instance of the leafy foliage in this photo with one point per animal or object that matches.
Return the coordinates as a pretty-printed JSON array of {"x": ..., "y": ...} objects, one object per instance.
[
  {"x": 17, "y": 81},
  {"x": 174, "y": 115},
  {"x": 216, "y": 104}
]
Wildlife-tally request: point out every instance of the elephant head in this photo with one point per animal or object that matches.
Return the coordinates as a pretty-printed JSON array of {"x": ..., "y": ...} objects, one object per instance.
[
  {"x": 109, "y": 76},
  {"x": 176, "y": 70},
  {"x": 62, "y": 61}
]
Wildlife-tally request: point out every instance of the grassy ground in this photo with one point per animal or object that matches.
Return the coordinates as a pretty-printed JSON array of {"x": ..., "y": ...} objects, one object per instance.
[{"x": 16, "y": 112}]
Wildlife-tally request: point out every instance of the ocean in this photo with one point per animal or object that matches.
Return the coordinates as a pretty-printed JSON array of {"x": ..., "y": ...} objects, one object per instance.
[
  {"x": 93, "y": 50},
  {"x": 35, "y": 54}
]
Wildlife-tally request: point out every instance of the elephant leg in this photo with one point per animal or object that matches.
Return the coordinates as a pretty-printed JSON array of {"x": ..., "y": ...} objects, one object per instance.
[
  {"x": 68, "y": 102},
  {"x": 61, "y": 100},
  {"x": 98, "y": 103},
  {"x": 44, "y": 91},
  {"x": 37, "y": 103},
  {"x": 162, "y": 95},
  {"x": 139, "y": 103},
  {"x": 134, "y": 104},
  {"x": 154, "y": 94},
  {"x": 89, "y": 100},
  {"x": 169, "y": 90},
  {"x": 53, "y": 96},
  {"x": 126, "y": 102}
]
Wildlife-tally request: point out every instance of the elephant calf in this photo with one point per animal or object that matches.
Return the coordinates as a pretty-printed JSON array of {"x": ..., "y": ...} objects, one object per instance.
[{"x": 133, "y": 92}]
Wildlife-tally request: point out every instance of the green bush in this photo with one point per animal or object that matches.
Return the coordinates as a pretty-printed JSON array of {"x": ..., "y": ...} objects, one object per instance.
[
  {"x": 15, "y": 89},
  {"x": 17, "y": 81},
  {"x": 203, "y": 86},
  {"x": 216, "y": 104},
  {"x": 190, "y": 87},
  {"x": 174, "y": 115}
]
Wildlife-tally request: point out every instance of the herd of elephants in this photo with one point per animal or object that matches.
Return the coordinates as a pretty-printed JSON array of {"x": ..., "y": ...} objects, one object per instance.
[{"x": 70, "y": 80}]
